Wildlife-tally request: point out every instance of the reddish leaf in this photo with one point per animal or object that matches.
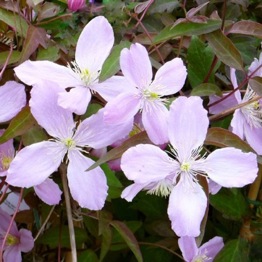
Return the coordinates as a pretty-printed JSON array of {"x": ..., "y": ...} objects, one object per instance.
[{"x": 256, "y": 84}]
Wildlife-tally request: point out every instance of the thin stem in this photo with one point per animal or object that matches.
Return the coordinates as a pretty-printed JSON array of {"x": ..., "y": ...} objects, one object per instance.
[
  {"x": 62, "y": 170},
  {"x": 6, "y": 61},
  {"x": 4, "y": 192}
]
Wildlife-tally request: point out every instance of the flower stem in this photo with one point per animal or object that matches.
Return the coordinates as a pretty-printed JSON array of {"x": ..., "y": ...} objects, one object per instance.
[{"x": 62, "y": 170}]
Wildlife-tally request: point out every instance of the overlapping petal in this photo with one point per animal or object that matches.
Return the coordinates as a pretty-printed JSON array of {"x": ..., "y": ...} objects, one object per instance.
[
  {"x": 186, "y": 208},
  {"x": 12, "y": 253},
  {"x": 136, "y": 66},
  {"x": 211, "y": 248},
  {"x": 33, "y": 164},
  {"x": 187, "y": 125},
  {"x": 230, "y": 167},
  {"x": 26, "y": 240},
  {"x": 57, "y": 121},
  {"x": 188, "y": 247},
  {"x": 13, "y": 99},
  {"x": 253, "y": 137},
  {"x": 94, "y": 44},
  {"x": 147, "y": 163},
  {"x": 131, "y": 191},
  {"x": 89, "y": 189}
]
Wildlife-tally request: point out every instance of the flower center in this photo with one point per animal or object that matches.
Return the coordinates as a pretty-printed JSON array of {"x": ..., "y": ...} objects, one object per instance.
[
  {"x": 11, "y": 240},
  {"x": 185, "y": 167},
  {"x": 6, "y": 160},
  {"x": 69, "y": 142}
]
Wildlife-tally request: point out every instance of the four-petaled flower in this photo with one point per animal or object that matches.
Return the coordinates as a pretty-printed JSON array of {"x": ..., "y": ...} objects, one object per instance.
[{"x": 154, "y": 170}]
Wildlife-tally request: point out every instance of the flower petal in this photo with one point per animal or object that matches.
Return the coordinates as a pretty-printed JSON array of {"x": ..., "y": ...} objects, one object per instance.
[
  {"x": 12, "y": 253},
  {"x": 254, "y": 137},
  {"x": 95, "y": 133},
  {"x": 188, "y": 247},
  {"x": 89, "y": 189},
  {"x": 211, "y": 248},
  {"x": 33, "y": 164},
  {"x": 186, "y": 208},
  {"x": 26, "y": 240},
  {"x": 57, "y": 121},
  {"x": 131, "y": 191},
  {"x": 76, "y": 100},
  {"x": 122, "y": 108},
  {"x": 94, "y": 44},
  {"x": 155, "y": 123},
  {"x": 112, "y": 87},
  {"x": 170, "y": 77},
  {"x": 187, "y": 126},
  {"x": 49, "y": 192},
  {"x": 31, "y": 72},
  {"x": 146, "y": 163},
  {"x": 233, "y": 79},
  {"x": 13, "y": 98},
  {"x": 230, "y": 167},
  {"x": 237, "y": 123},
  {"x": 136, "y": 66},
  {"x": 5, "y": 222}
]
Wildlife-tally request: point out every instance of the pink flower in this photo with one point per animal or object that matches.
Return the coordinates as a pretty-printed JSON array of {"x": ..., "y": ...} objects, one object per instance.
[
  {"x": 75, "y": 5},
  {"x": 13, "y": 99},
  {"x": 17, "y": 240},
  {"x": 206, "y": 252},
  {"x": 154, "y": 170},
  {"x": 93, "y": 47},
  {"x": 144, "y": 94},
  {"x": 33, "y": 164}
]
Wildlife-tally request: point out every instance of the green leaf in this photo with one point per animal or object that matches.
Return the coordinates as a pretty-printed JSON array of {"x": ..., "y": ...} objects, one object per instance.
[
  {"x": 231, "y": 203},
  {"x": 225, "y": 49},
  {"x": 206, "y": 89},
  {"x": 235, "y": 250},
  {"x": 19, "y": 125},
  {"x": 187, "y": 29},
  {"x": 247, "y": 28},
  {"x": 51, "y": 53},
  {"x": 106, "y": 242},
  {"x": 34, "y": 135},
  {"x": 163, "y": 6},
  {"x": 87, "y": 256},
  {"x": 117, "y": 152},
  {"x": 15, "y": 21},
  {"x": 129, "y": 238},
  {"x": 15, "y": 56},
  {"x": 111, "y": 65},
  {"x": 256, "y": 84}
]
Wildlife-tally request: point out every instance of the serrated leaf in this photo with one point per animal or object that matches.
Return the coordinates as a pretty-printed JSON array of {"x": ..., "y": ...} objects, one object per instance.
[
  {"x": 224, "y": 49},
  {"x": 15, "y": 21},
  {"x": 231, "y": 203},
  {"x": 187, "y": 29},
  {"x": 129, "y": 238},
  {"x": 19, "y": 125},
  {"x": 117, "y": 152},
  {"x": 206, "y": 89},
  {"x": 247, "y": 28},
  {"x": 235, "y": 250},
  {"x": 256, "y": 84},
  {"x": 111, "y": 65}
]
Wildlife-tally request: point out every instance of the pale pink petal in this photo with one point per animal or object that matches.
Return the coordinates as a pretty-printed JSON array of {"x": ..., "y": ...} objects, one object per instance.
[
  {"x": 233, "y": 78},
  {"x": 230, "y": 167},
  {"x": 136, "y": 66},
  {"x": 57, "y": 121},
  {"x": 26, "y": 240},
  {"x": 76, "y": 100},
  {"x": 255, "y": 65},
  {"x": 211, "y": 248},
  {"x": 122, "y": 108},
  {"x": 13, "y": 99},
  {"x": 170, "y": 77},
  {"x": 188, "y": 247},
  {"x": 31, "y": 72},
  {"x": 95, "y": 133},
  {"x": 237, "y": 123},
  {"x": 112, "y": 87},
  {"x": 213, "y": 187},
  {"x": 49, "y": 192},
  {"x": 186, "y": 208},
  {"x": 155, "y": 123},
  {"x": 12, "y": 253},
  {"x": 94, "y": 44},
  {"x": 33, "y": 164},
  {"x": 131, "y": 191},
  {"x": 254, "y": 137},
  {"x": 147, "y": 163},
  {"x": 5, "y": 221},
  {"x": 187, "y": 125},
  {"x": 89, "y": 189}
]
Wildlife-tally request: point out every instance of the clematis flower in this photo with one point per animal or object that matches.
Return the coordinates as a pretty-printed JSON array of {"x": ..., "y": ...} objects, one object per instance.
[
  {"x": 144, "y": 95},
  {"x": 17, "y": 240},
  {"x": 13, "y": 99},
  {"x": 206, "y": 252},
  {"x": 48, "y": 191},
  {"x": 247, "y": 120},
  {"x": 155, "y": 171},
  {"x": 33, "y": 164},
  {"x": 75, "y": 5},
  {"x": 92, "y": 49}
]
